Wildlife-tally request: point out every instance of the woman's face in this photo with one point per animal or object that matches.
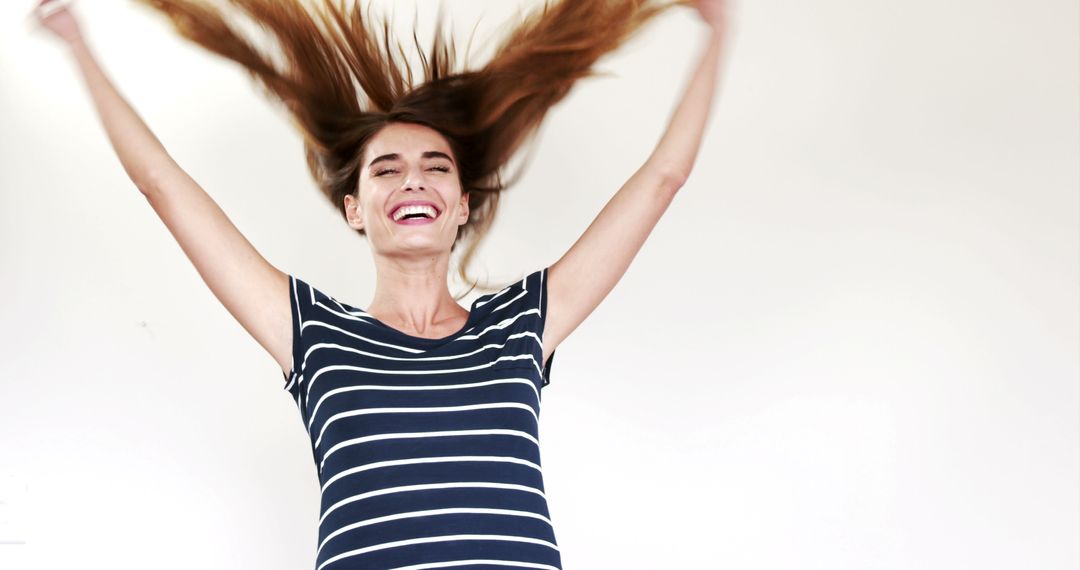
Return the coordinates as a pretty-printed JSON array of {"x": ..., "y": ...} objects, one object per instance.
[{"x": 408, "y": 165}]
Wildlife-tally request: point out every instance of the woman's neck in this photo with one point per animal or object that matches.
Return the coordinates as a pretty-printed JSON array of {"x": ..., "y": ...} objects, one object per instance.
[{"x": 412, "y": 296}]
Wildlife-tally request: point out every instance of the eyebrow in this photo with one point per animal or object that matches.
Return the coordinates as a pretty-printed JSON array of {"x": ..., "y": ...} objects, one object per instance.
[{"x": 395, "y": 156}]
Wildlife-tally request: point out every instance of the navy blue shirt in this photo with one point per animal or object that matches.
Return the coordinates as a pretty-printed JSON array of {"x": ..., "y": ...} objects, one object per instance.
[{"x": 427, "y": 450}]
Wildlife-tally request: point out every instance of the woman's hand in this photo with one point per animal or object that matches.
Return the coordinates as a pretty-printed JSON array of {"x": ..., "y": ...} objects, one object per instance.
[
  {"x": 714, "y": 12},
  {"x": 54, "y": 15}
]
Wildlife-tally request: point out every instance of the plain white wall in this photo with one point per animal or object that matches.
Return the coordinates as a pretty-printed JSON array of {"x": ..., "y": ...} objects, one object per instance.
[{"x": 851, "y": 343}]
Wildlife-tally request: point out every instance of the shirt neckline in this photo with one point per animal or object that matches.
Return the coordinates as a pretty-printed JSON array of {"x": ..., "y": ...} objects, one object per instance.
[{"x": 474, "y": 315}]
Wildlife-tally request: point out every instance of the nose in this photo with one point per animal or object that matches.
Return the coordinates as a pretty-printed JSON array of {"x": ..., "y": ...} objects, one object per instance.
[{"x": 414, "y": 181}]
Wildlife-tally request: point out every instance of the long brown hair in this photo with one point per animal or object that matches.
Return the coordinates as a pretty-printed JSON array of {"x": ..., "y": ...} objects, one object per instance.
[{"x": 485, "y": 114}]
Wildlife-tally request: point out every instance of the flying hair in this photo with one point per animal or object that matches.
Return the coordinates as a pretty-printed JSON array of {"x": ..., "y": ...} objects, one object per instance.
[{"x": 342, "y": 76}]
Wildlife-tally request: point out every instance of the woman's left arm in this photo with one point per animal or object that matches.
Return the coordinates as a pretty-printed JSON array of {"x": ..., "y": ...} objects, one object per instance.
[{"x": 589, "y": 270}]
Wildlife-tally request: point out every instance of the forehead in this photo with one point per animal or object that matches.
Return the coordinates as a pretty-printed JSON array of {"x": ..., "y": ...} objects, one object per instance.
[{"x": 405, "y": 139}]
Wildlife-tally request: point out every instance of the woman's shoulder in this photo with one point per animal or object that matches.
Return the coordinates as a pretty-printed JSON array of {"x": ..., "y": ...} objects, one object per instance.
[{"x": 310, "y": 301}]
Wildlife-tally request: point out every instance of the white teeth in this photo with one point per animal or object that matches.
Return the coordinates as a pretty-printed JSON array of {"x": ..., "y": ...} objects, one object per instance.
[{"x": 406, "y": 210}]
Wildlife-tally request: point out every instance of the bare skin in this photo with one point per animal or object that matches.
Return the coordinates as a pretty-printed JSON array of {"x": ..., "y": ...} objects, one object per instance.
[{"x": 411, "y": 262}]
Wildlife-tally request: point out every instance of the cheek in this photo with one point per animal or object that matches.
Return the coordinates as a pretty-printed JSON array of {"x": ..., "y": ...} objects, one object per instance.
[
  {"x": 369, "y": 195},
  {"x": 458, "y": 200}
]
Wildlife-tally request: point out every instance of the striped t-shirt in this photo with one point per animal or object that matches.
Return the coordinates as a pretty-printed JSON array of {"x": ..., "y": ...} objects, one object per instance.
[{"x": 427, "y": 450}]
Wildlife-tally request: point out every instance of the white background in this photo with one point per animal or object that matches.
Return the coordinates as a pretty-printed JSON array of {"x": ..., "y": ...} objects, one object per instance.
[{"x": 851, "y": 343}]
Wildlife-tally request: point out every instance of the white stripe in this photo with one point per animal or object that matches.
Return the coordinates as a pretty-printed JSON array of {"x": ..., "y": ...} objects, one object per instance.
[
  {"x": 428, "y": 486},
  {"x": 356, "y": 313},
  {"x": 540, "y": 297},
  {"x": 436, "y": 539},
  {"x": 500, "y": 325},
  {"x": 450, "y": 563},
  {"x": 540, "y": 308},
  {"x": 364, "y": 338},
  {"x": 296, "y": 298},
  {"x": 299, "y": 327},
  {"x": 336, "y": 391},
  {"x": 496, "y": 296},
  {"x": 344, "y": 348},
  {"x": 336, "y": 367},
  {"x": 406, "y": 435},
  {"x": 409, "y": 410},
  {"x": 421, "y": 460},
  {"x": 430, "y": 512},
  {"x": 417, "y": 358},
  {"x": 519, "y": 295},
  {"x": 340, "y": 314}
]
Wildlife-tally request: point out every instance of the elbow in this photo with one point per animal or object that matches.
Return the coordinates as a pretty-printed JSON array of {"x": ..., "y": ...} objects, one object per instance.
[
  {"x": 672, "y": 178},
  {"x": 150, "y": 178},
  {"x": 145, "y": 187},
  {"x": 149, "y": 183}
]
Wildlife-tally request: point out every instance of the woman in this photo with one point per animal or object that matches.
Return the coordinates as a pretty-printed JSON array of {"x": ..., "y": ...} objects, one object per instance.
[{"x": 422, "y": 415}]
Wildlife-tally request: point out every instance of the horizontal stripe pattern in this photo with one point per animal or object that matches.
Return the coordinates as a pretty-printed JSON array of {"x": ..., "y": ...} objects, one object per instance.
[{"x": 427, "y": 450}]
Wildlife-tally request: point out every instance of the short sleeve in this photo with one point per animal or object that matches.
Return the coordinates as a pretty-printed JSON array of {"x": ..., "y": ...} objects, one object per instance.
[
  {"x": 520, "y": 310},
  {"x": 301, "y": 302},
  {"x": 539, "y": 284}
]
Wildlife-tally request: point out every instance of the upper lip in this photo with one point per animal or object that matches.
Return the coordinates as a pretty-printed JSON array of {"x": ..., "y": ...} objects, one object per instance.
[{"x": 414, "y": 203}]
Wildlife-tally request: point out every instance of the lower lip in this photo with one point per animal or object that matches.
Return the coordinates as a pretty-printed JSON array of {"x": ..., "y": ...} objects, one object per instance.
[{"x": 415, "y": 221}]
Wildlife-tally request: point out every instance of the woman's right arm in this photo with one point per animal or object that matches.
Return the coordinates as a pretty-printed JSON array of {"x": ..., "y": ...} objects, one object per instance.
[{"x": 255, "y": 292}]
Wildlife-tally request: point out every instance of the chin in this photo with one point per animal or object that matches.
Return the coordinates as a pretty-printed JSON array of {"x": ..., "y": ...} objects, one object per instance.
[{"x": 416, "y": 245}]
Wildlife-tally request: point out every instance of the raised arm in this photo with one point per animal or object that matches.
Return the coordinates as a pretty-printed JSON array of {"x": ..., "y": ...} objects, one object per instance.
[
  {"x": 252, "y": 290},
  {"x": 589, "y": 270}
]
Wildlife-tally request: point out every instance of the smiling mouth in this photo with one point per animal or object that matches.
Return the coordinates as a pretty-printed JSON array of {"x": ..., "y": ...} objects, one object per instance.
[{"x": 415, "y": 214}]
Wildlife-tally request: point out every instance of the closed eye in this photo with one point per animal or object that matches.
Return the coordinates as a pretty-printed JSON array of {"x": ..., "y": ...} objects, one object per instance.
[{"x": 385, "y": 171}]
